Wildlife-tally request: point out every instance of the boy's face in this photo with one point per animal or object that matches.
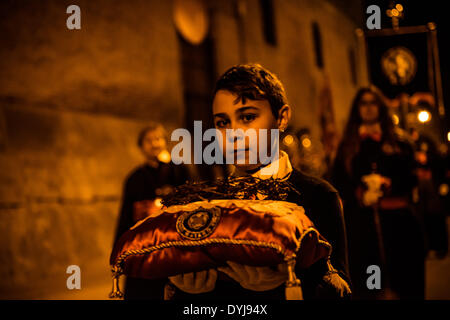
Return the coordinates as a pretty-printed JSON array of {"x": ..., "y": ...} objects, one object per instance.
[{"x": 232, "y": 114}]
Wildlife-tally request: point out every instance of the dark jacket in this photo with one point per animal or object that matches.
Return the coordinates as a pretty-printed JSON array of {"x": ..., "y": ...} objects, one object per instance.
[
  {"x": 323, "y": 206},
  {"x": 143, "y": 184}
]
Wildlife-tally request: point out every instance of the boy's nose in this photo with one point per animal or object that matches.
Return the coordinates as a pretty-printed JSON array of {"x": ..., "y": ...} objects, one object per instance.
[{"x": 235, "y": 134}]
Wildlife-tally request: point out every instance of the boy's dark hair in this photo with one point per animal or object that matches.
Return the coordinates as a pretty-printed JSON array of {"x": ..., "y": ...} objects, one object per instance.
[{"x": 252, "y": 81}]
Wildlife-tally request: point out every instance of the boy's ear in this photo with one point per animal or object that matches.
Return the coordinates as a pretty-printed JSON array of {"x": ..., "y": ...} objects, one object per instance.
[{"x": 284, "y": 116}]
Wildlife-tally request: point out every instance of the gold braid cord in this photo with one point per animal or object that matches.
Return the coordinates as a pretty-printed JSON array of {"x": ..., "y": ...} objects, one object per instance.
[
  {"x": 117, "y": 267},
  {"x": 187, "y": 243}
]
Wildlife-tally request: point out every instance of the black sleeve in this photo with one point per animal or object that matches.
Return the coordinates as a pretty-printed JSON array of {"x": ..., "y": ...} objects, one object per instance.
[
  {"x": 327, "y": 279},
  {"x": 334, "y": 231},
  {"x": 126, "y": 211},
  {"x": 322, "y": 281},
  {"x": 330, "y": 279}
]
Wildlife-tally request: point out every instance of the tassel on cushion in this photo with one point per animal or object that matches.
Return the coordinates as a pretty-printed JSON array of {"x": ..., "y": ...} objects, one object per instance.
[
  {"x": 293, "y": 289},
  {"x": 116, "y": 293}
]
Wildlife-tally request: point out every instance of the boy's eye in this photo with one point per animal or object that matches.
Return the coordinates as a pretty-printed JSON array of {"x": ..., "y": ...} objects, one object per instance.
[
  {"x": 221, "y": 123},
  {"x": 248, "y": 117}
]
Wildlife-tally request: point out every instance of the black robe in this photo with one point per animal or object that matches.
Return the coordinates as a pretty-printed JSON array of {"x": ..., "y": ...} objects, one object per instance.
[{"x": 401, "y": 231}]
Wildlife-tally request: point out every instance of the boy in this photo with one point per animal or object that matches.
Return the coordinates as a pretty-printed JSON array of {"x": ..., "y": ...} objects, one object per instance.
[{"x": 250, "y": 97}]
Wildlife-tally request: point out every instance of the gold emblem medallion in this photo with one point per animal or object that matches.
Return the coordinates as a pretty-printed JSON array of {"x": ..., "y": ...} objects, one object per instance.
[
  {"x": 399, "y": 65},
  {"x": 198, "y": 224}
]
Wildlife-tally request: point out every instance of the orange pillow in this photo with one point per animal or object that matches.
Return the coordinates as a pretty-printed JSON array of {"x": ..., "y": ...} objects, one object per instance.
[{"x": 205, "y": 234}]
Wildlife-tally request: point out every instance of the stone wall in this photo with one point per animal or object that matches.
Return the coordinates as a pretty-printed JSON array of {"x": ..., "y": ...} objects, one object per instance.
[{"x": 72, "y": 104}]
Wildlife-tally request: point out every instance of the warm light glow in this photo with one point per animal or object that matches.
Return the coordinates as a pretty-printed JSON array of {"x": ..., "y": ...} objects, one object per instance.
[
  {"x": 443, "y": 189},
  {"x": 395, "y": 12},
  {"x": 288, "y": 140},
  {"x": 399, "y": 7},
  {"x": 158, "y": 202},
  {"x": 306, "y": 142},
  {"x": 424, "y": 116},
  {"x": 448, "y": 136},
  {"x": 395, "y": 119},
  {"x": 164, "y": 156}
]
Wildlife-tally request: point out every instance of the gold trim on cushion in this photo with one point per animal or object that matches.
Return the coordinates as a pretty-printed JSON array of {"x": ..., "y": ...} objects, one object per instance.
[{"x": 117, "y": 267}]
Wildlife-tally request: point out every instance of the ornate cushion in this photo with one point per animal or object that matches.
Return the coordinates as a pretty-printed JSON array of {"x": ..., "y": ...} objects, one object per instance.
[{"x": 206, "y": 234}]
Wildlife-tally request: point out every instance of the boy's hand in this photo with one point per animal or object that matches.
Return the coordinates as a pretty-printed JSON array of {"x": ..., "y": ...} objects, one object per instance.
[
  {"x": 256, "y": 278},
  {"x": 196, "y": 282}
]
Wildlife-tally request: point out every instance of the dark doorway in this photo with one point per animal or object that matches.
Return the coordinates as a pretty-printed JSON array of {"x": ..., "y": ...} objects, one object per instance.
[{"x": 198, "y": 76}]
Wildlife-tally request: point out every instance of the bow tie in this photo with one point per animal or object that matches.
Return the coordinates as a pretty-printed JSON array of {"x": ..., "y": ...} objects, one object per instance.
[
  {"x": 376, "y": 136},
  {"x": 373, "y": 133}
]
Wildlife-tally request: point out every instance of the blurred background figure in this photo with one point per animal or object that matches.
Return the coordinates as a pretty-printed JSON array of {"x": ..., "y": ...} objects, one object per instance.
[
  {"x": 374, "y": 173},
  {"x": 430, "y": 171},
  {"x": 306, "y": 153},
  {"x": 142, "y": 191}
]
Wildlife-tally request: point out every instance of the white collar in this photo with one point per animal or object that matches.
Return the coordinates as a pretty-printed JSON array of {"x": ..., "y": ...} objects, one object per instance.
[{"x": 279, "y": 169}]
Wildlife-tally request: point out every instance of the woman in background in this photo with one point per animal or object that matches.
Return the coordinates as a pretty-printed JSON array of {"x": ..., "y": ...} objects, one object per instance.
[{"x": 374, "y": 174}]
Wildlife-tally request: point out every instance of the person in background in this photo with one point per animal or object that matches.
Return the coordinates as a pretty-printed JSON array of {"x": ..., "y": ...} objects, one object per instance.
[
  {"x": 429, "y": 203},
  {"x": 142, "y": 191},
  {"x": 374, "y": 174}
]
